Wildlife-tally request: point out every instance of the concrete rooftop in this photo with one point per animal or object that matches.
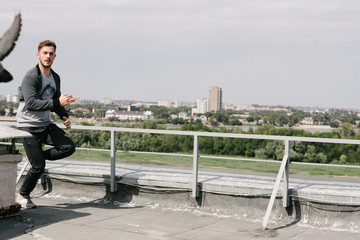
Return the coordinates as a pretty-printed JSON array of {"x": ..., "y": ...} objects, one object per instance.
[
  {"x": 63, "y": 219},
  {"x": 77, "y": 205}
]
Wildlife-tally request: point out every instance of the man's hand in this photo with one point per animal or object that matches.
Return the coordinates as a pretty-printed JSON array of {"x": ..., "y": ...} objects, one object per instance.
[
  {"x": 67, "y": 122},
  {"x": 66, "y": 99}
]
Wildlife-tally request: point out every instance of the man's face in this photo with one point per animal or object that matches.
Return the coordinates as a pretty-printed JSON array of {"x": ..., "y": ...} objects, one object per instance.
[{"x": 46, "y": 56}]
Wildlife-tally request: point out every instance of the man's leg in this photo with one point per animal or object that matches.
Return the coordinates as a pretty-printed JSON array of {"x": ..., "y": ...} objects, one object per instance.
[
  {"x": 34, "y": 152},
  {"x": 63, "y": 145}
]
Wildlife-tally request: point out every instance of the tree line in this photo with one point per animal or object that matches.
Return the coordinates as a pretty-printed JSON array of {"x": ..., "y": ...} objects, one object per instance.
[{"x": 251, "y": 148}]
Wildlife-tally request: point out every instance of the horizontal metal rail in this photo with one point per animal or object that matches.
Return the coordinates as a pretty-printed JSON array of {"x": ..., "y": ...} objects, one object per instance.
[
  {"x": 210, "y": 134},
  {"x": 209, "y": 156},
  {"x": 216, "y": 134}
]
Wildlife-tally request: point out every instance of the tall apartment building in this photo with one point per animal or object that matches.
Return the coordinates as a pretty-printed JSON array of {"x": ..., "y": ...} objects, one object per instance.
[{"x": 215, "y": 99}]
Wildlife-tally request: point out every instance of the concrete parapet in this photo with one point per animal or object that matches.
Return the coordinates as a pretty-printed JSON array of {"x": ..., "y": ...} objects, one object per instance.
[
  {"x": 8, "y": 167},
  {"x": 321, "y": 203}
]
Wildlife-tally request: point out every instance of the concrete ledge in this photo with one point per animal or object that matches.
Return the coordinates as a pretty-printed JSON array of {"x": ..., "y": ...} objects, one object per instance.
[
  {"x": 323, "y": 203},
  {"x": 8, "y": 168}
]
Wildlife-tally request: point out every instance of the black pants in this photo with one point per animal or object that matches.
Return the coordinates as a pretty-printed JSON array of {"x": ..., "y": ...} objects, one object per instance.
[{"x": 50, "y": 135}]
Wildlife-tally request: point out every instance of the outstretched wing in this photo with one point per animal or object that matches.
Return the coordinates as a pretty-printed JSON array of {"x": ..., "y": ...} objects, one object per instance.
[{"x": 7, "y": 42}]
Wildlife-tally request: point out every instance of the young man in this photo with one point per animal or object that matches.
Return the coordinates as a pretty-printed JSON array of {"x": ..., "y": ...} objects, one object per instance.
[{"x": 39, "y": 94}]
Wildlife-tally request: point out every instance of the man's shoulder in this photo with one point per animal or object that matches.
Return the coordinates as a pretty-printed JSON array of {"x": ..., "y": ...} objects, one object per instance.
[
  {"x": 31, "y": 78},
  {"x": 33, "y": 72}
]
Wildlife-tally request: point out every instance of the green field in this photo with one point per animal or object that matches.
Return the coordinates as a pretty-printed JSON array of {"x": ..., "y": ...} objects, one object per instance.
[{"x": 183, "y": 161}]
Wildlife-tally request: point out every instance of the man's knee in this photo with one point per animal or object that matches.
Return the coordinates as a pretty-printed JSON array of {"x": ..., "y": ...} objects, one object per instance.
[
  {"x": 37, "y": 170},
  {"x": 68, "y": 149}
]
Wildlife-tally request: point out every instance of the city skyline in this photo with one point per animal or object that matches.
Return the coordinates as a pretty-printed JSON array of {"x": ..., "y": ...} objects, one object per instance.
[
  {"x": 289, "y": 53},
  {"x": 202, "y": 102}
]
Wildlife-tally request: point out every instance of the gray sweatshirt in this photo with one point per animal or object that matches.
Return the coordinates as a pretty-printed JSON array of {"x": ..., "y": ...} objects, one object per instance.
[{"x": 38, "y": 95}]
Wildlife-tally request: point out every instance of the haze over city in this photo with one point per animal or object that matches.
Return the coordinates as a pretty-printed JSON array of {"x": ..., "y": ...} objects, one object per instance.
[{"x": 290, "y": 53}]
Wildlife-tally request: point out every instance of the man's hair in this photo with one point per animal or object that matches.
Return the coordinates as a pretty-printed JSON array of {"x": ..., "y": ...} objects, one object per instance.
[{"x": 47, "y": 43}]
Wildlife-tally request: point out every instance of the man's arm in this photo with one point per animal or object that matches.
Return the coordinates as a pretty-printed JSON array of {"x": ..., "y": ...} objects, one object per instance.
[{"x": 64, "y": 100}]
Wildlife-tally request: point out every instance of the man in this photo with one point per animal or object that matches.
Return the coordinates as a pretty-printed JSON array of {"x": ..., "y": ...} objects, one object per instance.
[{"x": 39, "y": 94}]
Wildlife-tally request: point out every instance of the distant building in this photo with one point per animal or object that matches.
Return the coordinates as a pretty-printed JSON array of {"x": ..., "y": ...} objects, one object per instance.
[
  {"x": 183, "y": 115},
  {"x": 183, "y": 104},
  {"x": 106, "y": 101},
  {"x": 215, "y": 99},
  {"x": 82, "y": 110},
  {"x": 238, "y": 107},
  {"x": 143, "y": 104},
  {"x": 129, "y": 108},
  {"x": 202, "y": 118},
  {"x": 8, "y": 98},
  {"x": 173, "y": 116},
  {"x": 165, "y": 103},
  {"x": 201, "y": 106},
  {"x": 308, "y": 121},
  {"x": 11, "y": 98},
  {"x": 14, "y": 99},
  {"x": 129, "y": 115}
]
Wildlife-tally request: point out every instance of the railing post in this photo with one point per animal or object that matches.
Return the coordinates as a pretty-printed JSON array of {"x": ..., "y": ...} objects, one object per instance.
[
  {"x": 276, "y": 187},
  {"x": 286, "y": 175},
  {"x": 113, "y": 187},
  {"x": 195, "y": 192}
]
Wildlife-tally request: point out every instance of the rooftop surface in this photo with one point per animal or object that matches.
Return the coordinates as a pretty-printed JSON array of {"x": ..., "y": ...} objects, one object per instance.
[
  {"x": 64, "y": 219},
  {"x": 86, "y": 215}
]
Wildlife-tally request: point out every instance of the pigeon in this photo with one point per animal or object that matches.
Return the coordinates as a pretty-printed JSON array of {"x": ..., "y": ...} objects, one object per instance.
[{"x": 7, "y": 44}]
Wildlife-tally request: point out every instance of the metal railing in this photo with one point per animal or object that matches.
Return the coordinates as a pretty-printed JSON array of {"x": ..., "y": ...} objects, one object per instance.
[
  {"x": 283, "y": 171},
  {"x": 282, "y": 174}
]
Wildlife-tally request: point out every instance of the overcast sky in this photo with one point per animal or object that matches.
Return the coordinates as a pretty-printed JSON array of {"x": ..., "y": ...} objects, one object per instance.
[{"x": 268, "y": 52}]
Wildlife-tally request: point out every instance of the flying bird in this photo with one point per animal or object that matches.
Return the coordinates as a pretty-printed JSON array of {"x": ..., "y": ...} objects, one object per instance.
[{"x": 7, "y": 44}]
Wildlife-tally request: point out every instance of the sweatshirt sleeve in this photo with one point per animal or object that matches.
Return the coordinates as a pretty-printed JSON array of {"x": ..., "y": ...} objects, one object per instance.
[{"x": 58, "y": 109}]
